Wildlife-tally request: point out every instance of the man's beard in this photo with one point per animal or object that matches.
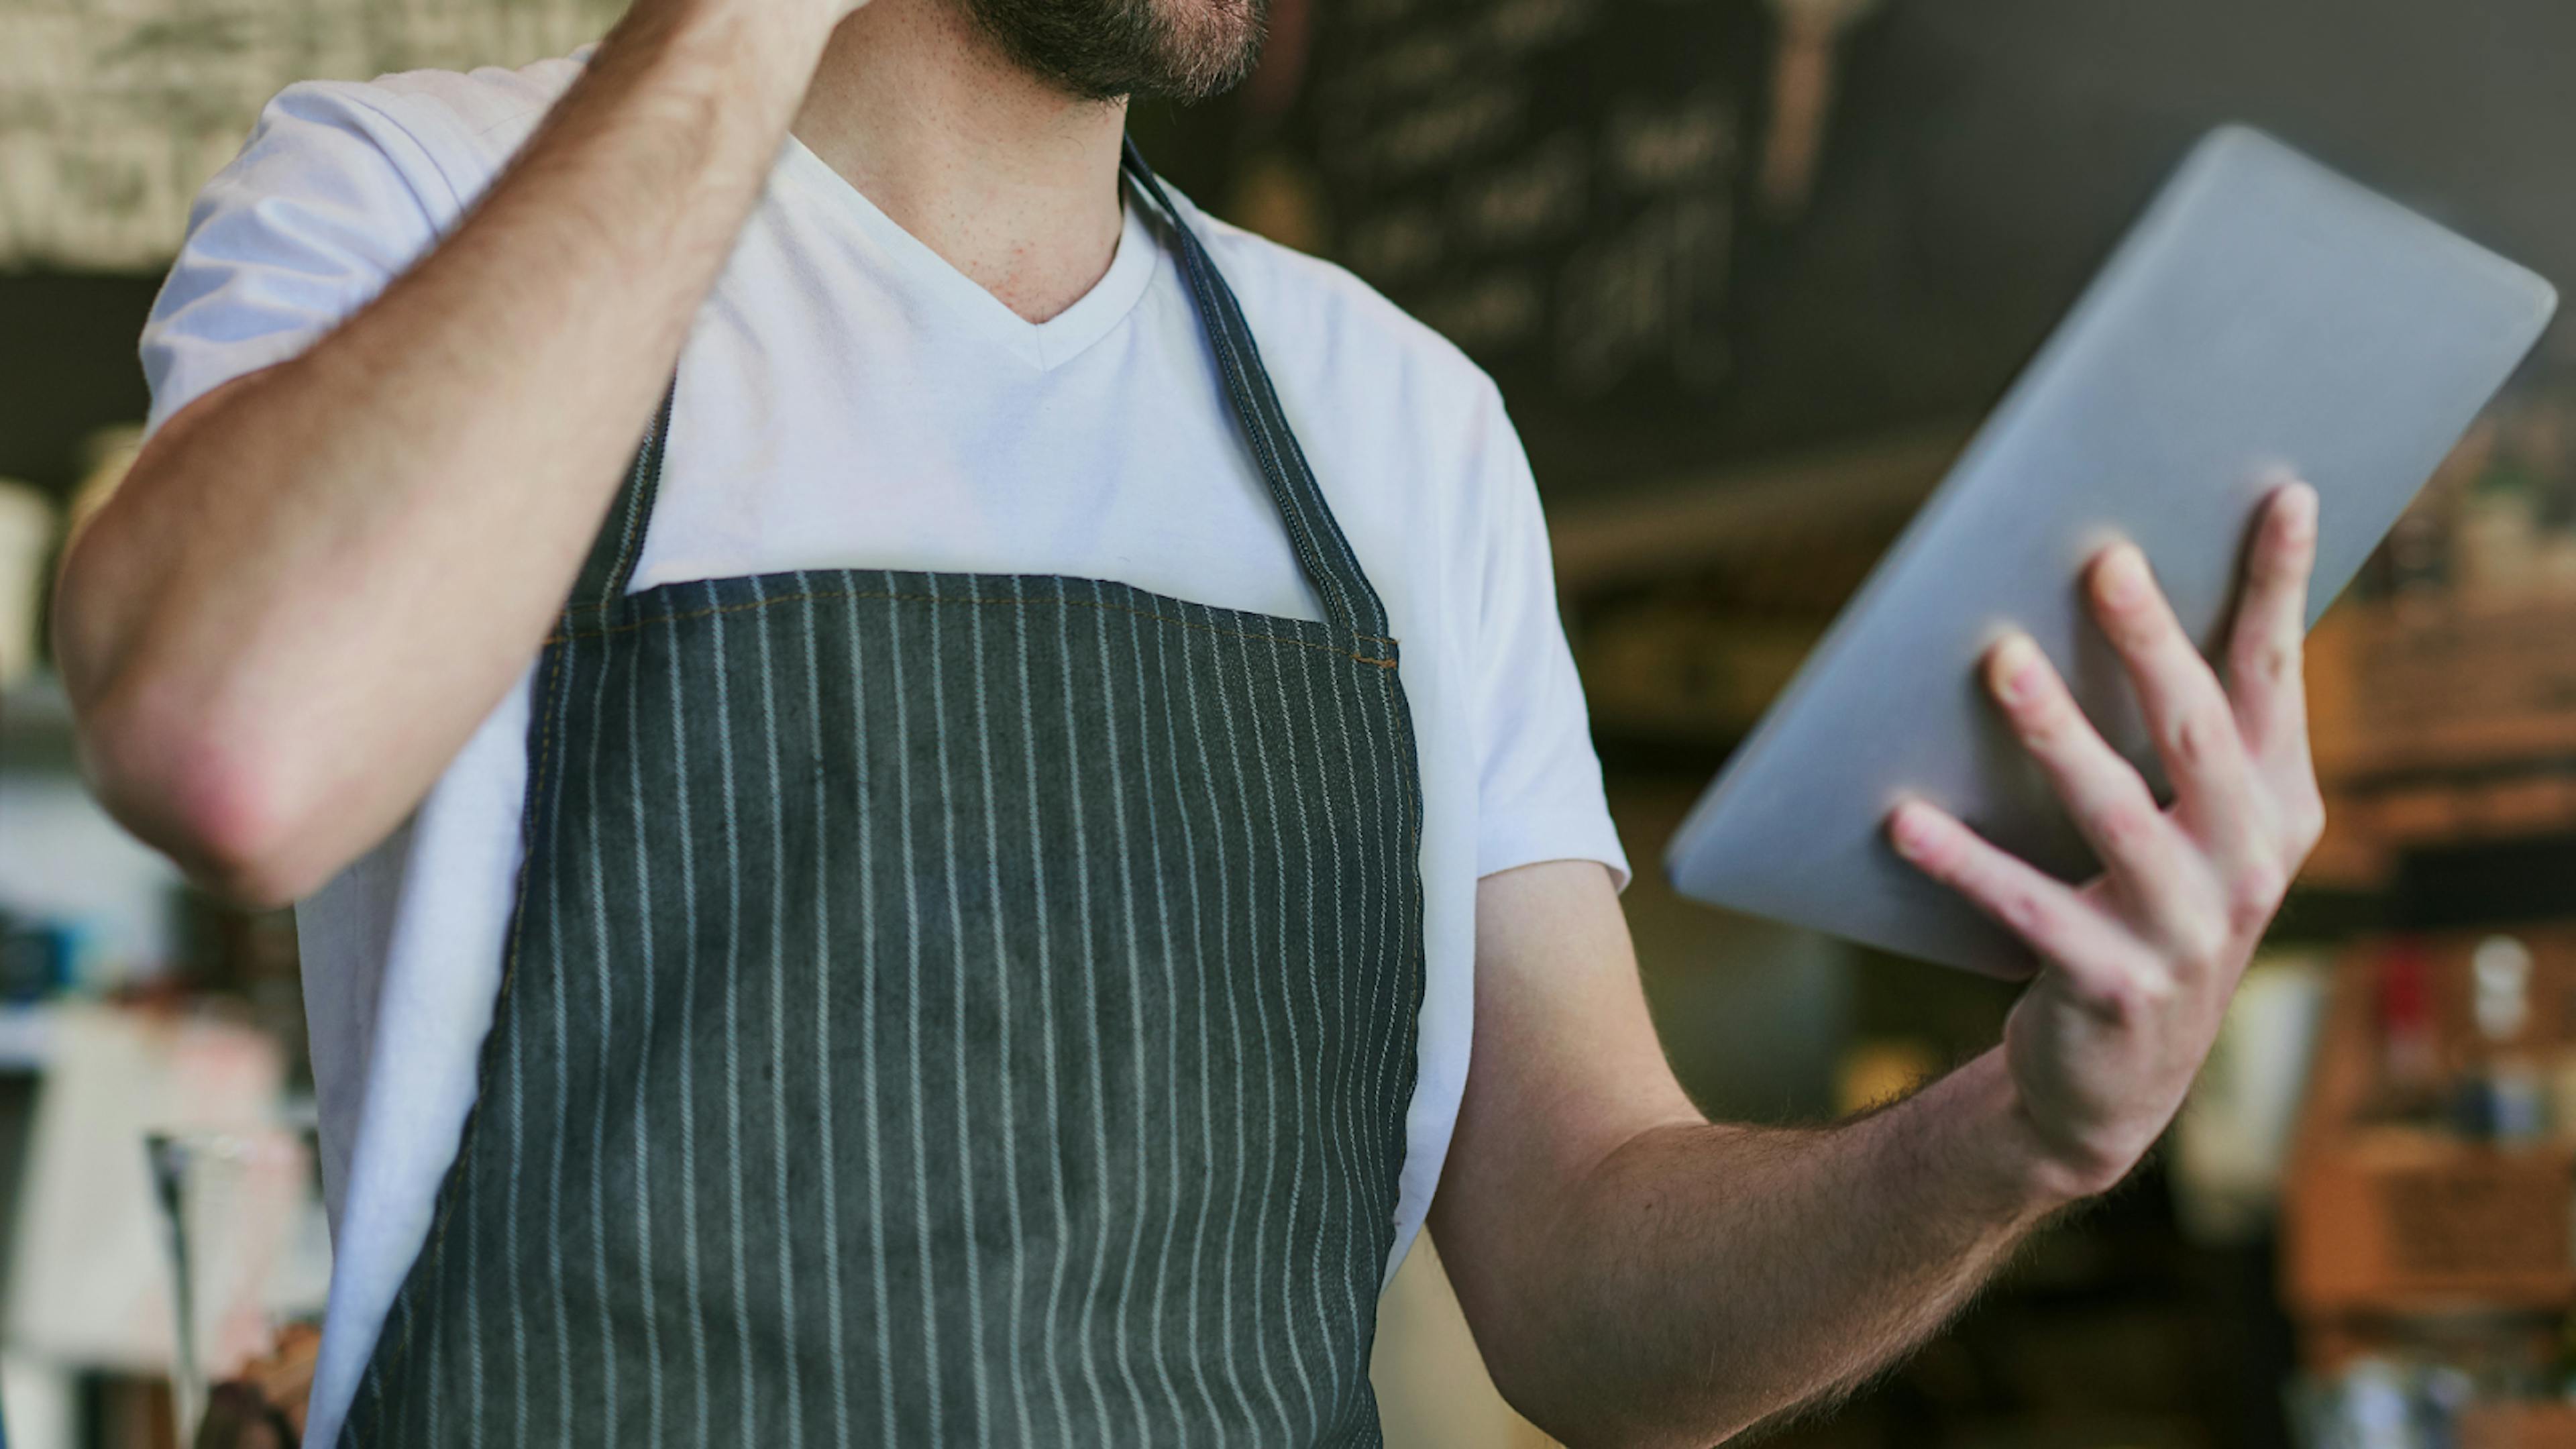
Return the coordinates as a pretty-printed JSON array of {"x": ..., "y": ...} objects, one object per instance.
[{"x": 1100, "y": 50}]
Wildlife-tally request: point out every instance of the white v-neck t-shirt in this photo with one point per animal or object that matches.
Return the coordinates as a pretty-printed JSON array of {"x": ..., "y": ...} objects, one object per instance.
[{"x": 848, "y": 399}]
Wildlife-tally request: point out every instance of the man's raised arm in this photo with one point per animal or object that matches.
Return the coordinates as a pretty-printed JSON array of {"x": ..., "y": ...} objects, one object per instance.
[{"x": 320, "y": 577}]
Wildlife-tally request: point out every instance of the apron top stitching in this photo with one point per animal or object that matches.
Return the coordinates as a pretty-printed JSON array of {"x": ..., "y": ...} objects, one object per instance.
[
  {"x": 578, "y": 609},
  {"x": 820, "y": 594}
]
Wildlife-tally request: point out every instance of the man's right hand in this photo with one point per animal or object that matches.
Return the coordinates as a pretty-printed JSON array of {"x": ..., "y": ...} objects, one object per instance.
[{"x": 318, "y": 579}]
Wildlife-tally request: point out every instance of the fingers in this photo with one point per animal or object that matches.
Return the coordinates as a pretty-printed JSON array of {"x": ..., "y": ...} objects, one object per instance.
[
  {"x": 2107, "y": 799},
  {"x": 2188, "y": 714},
  {"x": 2047, "y": 914},
  {"x": 2263, "y": 656}
]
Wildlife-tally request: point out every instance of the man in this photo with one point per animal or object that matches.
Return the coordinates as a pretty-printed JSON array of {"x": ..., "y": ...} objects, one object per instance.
[{"x": 946, "y": 898}]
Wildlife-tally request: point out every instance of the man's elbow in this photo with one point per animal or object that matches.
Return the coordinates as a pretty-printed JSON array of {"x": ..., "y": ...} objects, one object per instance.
[
  {"x": 1599, "y": 1416},
  {"x": 226, "y": 804},
  {"x": 1574, "y": 1367},
  {"x": 1546, "y": 1361}
]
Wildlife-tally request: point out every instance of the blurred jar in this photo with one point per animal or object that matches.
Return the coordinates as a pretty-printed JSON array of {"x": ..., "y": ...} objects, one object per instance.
[
  {"x": 2496, "y": 544},
  {"x": 248, "y": 1249}
]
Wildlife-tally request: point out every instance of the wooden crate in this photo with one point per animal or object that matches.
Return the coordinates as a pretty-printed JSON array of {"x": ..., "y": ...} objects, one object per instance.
[
  {"x": 2437, "y": 688},
  {"x": 2518, "y": 1426},
  {"x": 2437, "y": 723},
  {"x": 2380, "y": 1218},
  {"x": 2398, "y": 1222}
]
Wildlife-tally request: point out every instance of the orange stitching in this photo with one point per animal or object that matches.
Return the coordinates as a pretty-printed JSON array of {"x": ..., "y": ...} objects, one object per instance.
[
  {"x": 818, "y": 594},
  {"x": 618, "y": 566}
]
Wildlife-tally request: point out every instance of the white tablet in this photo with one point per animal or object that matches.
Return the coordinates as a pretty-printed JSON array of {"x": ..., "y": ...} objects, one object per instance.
[{"x": 2265, "y": 315}]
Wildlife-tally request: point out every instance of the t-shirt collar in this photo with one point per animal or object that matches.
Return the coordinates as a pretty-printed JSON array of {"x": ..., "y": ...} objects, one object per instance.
[{"x": 953, "y": 294}]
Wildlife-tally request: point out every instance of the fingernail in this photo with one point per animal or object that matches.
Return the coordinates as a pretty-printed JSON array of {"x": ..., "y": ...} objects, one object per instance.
[
  {"x": 1909, "y": 829},
  {"x": 2015, "y": 669},
  {"x": 2299, "y": 512},
  {"x": 2124, "y": 576}
]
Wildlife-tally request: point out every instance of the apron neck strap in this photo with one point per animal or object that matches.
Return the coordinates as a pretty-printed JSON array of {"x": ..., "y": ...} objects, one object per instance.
[
  {"x": 1349, "y": 601},
  {"x": 1331, "y": 567},
  {"x": 620, "y": 540}
]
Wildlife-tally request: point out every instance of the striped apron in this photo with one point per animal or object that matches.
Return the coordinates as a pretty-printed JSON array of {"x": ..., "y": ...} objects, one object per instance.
[{"x": 938, "y": 1009}]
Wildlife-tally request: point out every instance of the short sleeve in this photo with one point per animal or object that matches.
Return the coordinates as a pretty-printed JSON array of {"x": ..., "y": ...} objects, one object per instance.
[
  {"x": 1539, "y": 794},
  {"x": 328, "y": 201}
]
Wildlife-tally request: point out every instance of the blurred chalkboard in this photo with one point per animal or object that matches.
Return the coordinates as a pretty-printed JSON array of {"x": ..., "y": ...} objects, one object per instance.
[
  {"x": 1551, "y": 183},
  {"x": 1979, "y": 160}
]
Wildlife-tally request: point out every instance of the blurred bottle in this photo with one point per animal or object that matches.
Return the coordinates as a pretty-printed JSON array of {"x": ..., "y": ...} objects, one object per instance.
[
  {"x": 2410, "y": 1064},
  {"x": 2495, "y": 545},
  {"x": 2500, "y": 1097}
]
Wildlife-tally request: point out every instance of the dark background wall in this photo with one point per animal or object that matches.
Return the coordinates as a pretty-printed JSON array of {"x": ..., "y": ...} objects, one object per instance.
[
  {"x": 1982, "y": 158},
  {"x": 1991, "y": 151},
  {"x": 67, "y": 367}
]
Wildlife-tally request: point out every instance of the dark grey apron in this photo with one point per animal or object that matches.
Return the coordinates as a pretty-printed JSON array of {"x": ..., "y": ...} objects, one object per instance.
[{"x": 939, "y": 1008}]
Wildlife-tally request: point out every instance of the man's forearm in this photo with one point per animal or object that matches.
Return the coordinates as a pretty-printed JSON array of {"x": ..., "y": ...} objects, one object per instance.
[
  {"x": 1635, "y": 1275},
  {"x": 318, "y": 579},
  {"x": 1703, "y": 1278}
]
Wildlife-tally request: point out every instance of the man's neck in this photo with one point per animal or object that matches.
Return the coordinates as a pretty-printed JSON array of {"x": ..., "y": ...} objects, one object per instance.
[{"x": 1013, "y": 182}]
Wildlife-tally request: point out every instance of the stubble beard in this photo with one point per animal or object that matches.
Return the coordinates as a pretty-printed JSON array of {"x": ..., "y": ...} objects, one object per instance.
[{"x": 1103, "y": 50}]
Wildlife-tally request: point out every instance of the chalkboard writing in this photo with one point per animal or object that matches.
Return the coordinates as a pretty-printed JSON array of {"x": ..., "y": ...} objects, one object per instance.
[
  {"x": 1552, "y": 184},
  {"x": 112, "y": 115}
]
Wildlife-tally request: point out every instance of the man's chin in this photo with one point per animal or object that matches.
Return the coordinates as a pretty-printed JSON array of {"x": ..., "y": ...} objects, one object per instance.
[{"x": 1105, "y": 50}]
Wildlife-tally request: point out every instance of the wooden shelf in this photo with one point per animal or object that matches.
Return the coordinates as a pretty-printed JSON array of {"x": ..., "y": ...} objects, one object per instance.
[
  {"x": 2441, "y": 723},
  {"x": 2385, "y": 1221}
]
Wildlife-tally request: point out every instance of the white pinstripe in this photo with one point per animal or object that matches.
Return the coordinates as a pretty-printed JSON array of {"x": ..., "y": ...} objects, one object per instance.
[
  {"x": 1383, "y": 973},
  {"x": 469, "y": 1309},
  {"x": 1372, "y": 955},
  {"x": 1090, "y": 994},
  {"x": 777, "y": 927},
  {"x": 957, "y": 953},
  {"x": 643, "y": 1138},
  {"x": 1296, "y": 1052},
  {"x": 1145, "y": 694},
  {"x": 607, "y": 1036},
  {"x": 1046, "y": 1004},
  {"x": 372, "y": 1382},
  {"x": 831, "y": 1169},
  {"x": 1135, "y": 1015},
  {"x": 733, "y": 1014},
  {"x": 510, "y": 1214},
  {"x": 1234, "y": 1017},
  {"x": 1002, "y": 1014},
  {"x": 884, "y": 1340},
  {"x": 696, "y": 1307},
  {"x": 429, "y": 1409},
  {"x": 1270, "y": 1096},
  {"x": 1334, "y": 1057},
  {"x": 1405, "y": 935},
  {"x": 560, "y": 986},
  {"x": 912, "y": 939}
]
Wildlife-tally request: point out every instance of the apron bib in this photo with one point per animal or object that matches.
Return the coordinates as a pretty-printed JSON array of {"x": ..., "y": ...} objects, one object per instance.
[{"x": 939, "y": 1008}]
